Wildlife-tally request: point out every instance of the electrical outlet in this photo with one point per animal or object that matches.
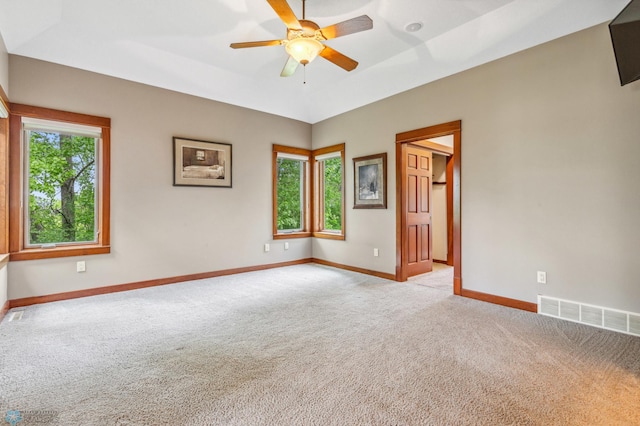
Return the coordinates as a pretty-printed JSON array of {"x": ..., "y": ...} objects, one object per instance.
[
  {"x": 286, "y": 246},
  {"x": 81, "y": 266},
  {"x": 542, "y": 277},
  {"x": 376, "y": 252},
  {"x": 266, "y": 248}
]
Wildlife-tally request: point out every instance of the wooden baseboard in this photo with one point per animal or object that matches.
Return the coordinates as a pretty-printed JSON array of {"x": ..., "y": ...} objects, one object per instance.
[
  {"x": 27, "y": 301},
  {"x": 457, "y": 286},
  {"x": 355, "y": 269},
  {"x": 499, "y": 300},
  {"x": 5, "y": 309}
]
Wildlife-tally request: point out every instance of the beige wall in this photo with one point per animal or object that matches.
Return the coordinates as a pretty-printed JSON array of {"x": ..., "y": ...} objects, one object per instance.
[
  {"x": 159, "y": 230},
  {"x": 4, "y": 83},
  {"x": 549, "y": 176},
  {"x": 549, "y": 172},
  {"x": 439, "y": 208},
  {"x": 4, "y": 66}
]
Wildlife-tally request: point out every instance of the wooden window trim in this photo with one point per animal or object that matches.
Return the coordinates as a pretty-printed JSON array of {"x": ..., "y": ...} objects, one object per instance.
[
  {"x": 16, "y": 241},
  {"x": 319, "y": 194},
  {"x": 307, "y": 200},
  {"x": 313, "y": 194},
  {"x": 4, "y": 177},
  {"x": 4, "y": 186}
]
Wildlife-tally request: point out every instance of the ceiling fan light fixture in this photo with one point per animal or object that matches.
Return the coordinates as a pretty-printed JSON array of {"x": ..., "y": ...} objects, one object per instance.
[
  {"x": 305, "y": 39},
  {"x": 304, "y": 49}
]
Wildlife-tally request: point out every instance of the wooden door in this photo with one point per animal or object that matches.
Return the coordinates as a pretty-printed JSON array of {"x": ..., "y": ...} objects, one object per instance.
[{"x": 417, "y": 188}]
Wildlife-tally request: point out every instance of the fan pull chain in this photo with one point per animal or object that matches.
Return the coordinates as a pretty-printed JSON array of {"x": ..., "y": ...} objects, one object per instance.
[{"x": 304, "y": 69}]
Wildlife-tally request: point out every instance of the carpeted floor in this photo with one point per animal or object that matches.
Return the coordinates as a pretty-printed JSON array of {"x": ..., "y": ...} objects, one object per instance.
[
  {"x": 440, "y": 278},
  {"x": 310, "y": 345}
]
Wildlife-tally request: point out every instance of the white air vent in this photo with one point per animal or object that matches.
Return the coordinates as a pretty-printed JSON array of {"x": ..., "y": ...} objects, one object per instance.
[
  {"x": 16, "y": 316},
  {"x": 615, "y": 320},
  {"x": 591, "y": 315},
  {"x": 634, "y": 324},
  {"x": 570, "y": 310},
  {"x": 549, "y": 307},
  {"x": 597, "y": 316}
]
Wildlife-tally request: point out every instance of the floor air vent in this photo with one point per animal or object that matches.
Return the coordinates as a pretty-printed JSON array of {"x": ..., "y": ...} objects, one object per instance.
[
  {"x": 597, "y": 316},
  {"x": 16, "y": 316}
]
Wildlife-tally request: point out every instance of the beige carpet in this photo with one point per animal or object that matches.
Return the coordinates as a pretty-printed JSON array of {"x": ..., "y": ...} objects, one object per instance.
[
  {"x": 310, "y": 345},
  {"x": 440, "y": 278}
]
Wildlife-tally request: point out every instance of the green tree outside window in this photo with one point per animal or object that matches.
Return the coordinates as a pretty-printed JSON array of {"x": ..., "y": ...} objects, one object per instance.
[
  {"x": 333, "y": 194},
  {"x": 62, "y": 185},
  {"x": 290, "y": 194}
]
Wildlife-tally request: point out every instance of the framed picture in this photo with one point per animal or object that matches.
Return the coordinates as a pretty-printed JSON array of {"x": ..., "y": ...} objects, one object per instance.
[
  {"x": 200, "y": 163},
  {"x": 370, "y": 182}
]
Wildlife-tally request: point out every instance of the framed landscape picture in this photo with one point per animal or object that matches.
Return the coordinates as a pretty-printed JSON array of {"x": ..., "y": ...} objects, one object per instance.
[
  {"x": 201, "y": 163},
  {"x": 370, "y": 182}
]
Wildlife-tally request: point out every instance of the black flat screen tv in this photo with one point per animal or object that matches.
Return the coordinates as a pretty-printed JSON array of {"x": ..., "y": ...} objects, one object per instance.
[{"x": 625, "y": 36}]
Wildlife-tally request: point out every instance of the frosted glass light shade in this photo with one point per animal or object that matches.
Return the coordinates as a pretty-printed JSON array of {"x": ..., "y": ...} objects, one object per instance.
[{"x": 304, "y": 49}]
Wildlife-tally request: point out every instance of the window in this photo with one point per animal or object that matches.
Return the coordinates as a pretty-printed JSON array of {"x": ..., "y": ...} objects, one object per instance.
[
  {"x": 59, "y": 178},
  {"x": 329, "y": 192},
  {"x": 290, "y": 195},
  {"x": 295, "y": 171},
  {"x": 4, "y": 176},
  {"x": 59, "y": 183}
]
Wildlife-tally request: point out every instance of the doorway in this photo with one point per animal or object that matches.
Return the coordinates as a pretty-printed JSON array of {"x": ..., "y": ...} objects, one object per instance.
[{"x": 413, "y": 207}]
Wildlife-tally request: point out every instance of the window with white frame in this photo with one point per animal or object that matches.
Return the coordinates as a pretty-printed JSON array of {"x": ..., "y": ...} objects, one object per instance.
[{"x": 61, "y": 183}]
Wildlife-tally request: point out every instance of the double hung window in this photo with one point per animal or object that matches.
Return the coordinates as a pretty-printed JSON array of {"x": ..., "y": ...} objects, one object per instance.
[{"x": 60, "y": 173}]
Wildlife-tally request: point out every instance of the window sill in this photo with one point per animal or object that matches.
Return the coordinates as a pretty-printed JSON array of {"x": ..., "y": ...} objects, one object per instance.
[
  {"x": 292, "y": 235},
  {"x": 34, "y": 254},
  {"x": 330, "y": 235}
]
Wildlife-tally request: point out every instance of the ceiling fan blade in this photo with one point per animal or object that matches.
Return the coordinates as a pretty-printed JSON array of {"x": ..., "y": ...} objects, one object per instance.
[
  {"x": 338, "y": 58},
  {"x": 285, "y": 13},
  {"x": 289, "y": 68},
  {"x": 256, "y": 44},
  {"x": 350, "y": 26}
]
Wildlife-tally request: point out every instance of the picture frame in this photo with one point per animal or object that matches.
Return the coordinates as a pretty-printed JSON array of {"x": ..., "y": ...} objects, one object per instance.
[
  {"x": 201, "y": 163},
  {"x": 370, "y": 182}
]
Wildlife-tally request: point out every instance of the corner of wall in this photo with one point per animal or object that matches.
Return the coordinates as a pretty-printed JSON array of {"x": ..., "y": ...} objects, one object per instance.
[
  {"x": 4, "y": 91},
  {"x": 4, "y": 67}
]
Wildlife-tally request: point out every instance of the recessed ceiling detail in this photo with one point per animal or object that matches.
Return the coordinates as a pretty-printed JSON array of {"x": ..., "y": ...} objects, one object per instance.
[{"x": 185, "y": 46}]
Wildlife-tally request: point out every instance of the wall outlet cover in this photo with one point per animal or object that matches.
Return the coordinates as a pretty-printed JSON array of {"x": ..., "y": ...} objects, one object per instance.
[{"x": 542, "y": 277}]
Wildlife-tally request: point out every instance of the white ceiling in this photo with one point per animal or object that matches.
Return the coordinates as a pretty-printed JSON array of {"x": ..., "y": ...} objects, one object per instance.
[{"x": 183, "y": 45}]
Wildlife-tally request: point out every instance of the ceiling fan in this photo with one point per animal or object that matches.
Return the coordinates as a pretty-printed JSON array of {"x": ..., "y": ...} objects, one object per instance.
[{"x": 305, "y": 38}]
